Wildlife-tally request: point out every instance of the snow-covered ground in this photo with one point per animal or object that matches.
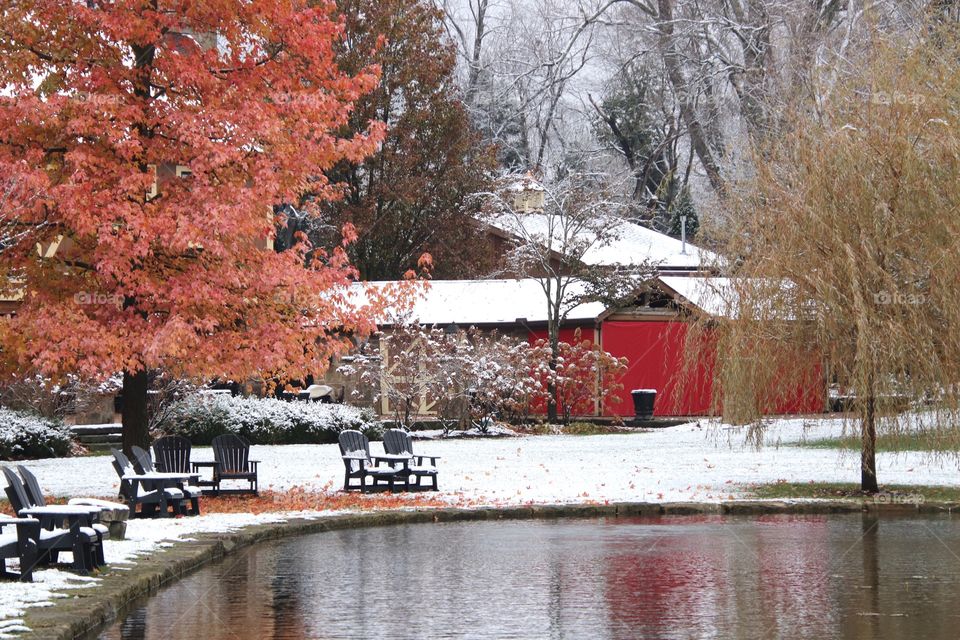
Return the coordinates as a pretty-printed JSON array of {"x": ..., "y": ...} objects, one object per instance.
[
  {"x": 692, "y": 462},
  {"x": 687, "y": 462}
]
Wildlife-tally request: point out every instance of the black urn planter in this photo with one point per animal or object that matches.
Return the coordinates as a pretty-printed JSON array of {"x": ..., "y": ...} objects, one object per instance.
[{"x": 643, "y": 403}]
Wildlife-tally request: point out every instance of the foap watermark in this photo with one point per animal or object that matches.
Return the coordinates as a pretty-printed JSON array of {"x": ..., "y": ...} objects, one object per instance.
[
  {"x": 89, "y": 298},
  {"x": 885, "y": 497},
  {"x": 896, "y": 297},
  {"x": 99, "y": 99},
  {"x": 897, "y": 97},
  {"x": 304, "y": 99}
]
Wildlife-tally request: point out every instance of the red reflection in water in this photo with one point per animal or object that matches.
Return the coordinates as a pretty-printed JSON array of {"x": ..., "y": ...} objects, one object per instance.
[
  {"x": 667, "y": 580},
  {"x": 686, "y": 580}
]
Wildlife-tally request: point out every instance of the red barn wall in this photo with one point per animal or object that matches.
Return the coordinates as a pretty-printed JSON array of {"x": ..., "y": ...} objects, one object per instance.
[
  {"x": 654, "y": 351},
  {"x": 655, "y": 360},
  {"x": 807, "y": 389}
]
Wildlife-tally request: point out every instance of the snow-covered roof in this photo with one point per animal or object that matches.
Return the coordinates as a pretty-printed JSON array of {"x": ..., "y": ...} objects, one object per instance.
[
  {"x": 711, "y": 295},
  {"x": 485, "y": 302},
  {"x": 629, "y": 243},
  {"x": 526, "y": 183},
  {"x": 503, "y": 302}
]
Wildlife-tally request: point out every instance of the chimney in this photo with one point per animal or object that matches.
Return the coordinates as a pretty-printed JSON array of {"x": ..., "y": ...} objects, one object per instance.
[{"x": 527, "y": 195}]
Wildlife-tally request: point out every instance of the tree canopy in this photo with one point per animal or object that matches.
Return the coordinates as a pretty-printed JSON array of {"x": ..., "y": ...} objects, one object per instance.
[
  {"x": 846, "y": 247},
  {"x": 147, "y": 143},
  {"x": 408, "y": 198}
]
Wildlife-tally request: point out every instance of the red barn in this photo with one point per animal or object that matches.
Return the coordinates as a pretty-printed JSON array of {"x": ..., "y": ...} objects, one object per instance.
[{"x": 651, "y": 334}]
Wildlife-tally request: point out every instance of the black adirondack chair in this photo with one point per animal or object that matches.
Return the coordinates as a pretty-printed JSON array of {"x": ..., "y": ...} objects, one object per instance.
[
  {"x": 143, "y": 463},
  {"x": 78, "y": 537},
  {"x": 32, "y": 487},
  {"x": 22, "y": 545},
  {"x": 399, "y": 442},
  {"x": 95, "y": 505},
  {"x": 153, "y": 498},
  {"x": 35, "y": 496},
  {"x": 359, "y": 465},
  {"x": 232, "y": 455},
  {"x": 141, "y": 460},
  {"x": 172, "y": 454}
]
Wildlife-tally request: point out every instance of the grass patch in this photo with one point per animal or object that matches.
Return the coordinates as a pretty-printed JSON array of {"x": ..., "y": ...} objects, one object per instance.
[
  {"x": 842, "y": 490},
  {"x": 918, "y": 441},
  {"x": 579, "y": 428},
  {"x": 593, "y": 429},
  {"x": 535, "y": 429}
]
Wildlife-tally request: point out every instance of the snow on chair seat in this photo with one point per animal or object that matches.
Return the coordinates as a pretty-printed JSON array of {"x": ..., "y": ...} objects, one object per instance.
[
  {"x": 398, "y": 442},
  {"x": 144, "y": 465},
  {"x": 77, "y": 536},
  {"x": 35, "y": 495},
  {"x": 154, "y": 497},
  {"x": 358, "y": 465}
]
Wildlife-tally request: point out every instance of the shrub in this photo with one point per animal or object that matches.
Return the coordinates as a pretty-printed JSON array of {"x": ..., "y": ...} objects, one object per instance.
[
  {"x": 266, "y": 420},
  {"x": 581, "y": 428},
  {"x": 25, "y": 435}
]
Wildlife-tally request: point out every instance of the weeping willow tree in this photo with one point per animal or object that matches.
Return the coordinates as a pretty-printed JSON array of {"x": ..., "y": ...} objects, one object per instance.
[{"x": 847, "y": 252}]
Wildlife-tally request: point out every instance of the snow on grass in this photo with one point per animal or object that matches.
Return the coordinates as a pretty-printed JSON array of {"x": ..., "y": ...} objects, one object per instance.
[
  {"x": 693, "y": 462},
  {"x": 47, "y": 585},
  {"x": 696, "y": 461},
  {"x": 146, "y": 536}
]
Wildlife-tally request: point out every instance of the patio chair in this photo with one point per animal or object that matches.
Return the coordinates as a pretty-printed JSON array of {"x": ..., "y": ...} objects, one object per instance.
[
  {"x": 317, "y": 393},
  {"x": 144, "y": 464},
  {"x": 359, "y": 465},
  {"x": 172, "y": 454},
  {"x": 232, "y": 455},
  {"x": 153, "y": 498},
  {"x": 35, "y": 496},
  {"x": 399, "y": 442},
  {"x": 78, "y": 537},
  {"x": 22, "y": 545}
]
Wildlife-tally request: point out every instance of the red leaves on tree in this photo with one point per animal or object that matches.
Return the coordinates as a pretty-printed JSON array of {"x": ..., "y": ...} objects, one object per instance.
[{"x": 103, "y": 100}]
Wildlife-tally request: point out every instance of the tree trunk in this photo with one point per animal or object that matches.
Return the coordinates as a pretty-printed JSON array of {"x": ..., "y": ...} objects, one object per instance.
[
  {"x": 134, "y": 410},
  {"x": 695, "y": 129},
  {"x": 554, "y": 337},
  {"x": 473, "y": 77},
  {"x": 868, "y": 450}
]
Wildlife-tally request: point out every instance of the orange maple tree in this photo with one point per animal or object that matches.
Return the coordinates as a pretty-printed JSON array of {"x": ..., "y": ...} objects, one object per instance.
[{"x": 150, "y": 141}]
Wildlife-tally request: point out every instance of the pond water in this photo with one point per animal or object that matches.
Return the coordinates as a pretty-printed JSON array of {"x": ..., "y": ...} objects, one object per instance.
[{"x": 667, "y": 577}]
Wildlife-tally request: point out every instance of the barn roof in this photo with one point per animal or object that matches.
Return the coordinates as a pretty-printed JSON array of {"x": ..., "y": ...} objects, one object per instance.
[
  {"x": 631, "y": 244},
  {"x": 713, "y": 295},
  {"x": 504, "y": 302},
  {"x": 486, "y": 302}
]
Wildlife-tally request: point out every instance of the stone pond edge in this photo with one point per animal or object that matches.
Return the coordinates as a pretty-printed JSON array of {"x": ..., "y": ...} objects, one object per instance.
[{"x": 85, "y": 611}]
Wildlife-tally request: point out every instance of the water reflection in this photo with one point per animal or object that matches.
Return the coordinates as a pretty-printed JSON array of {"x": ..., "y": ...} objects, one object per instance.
[{"x": 770, "y": 577}]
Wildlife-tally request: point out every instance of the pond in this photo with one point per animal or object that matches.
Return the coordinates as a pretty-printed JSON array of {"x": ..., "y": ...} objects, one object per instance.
[{"x": 846, "y": 576}]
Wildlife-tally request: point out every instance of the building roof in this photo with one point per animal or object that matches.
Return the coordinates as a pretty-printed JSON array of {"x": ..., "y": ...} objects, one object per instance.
[
  {"x": 630, "y": 244},
  {"x": 711, "y": 295},
  {"x": 486, "y": 302},
  {"x": 504, "y": 302}
]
